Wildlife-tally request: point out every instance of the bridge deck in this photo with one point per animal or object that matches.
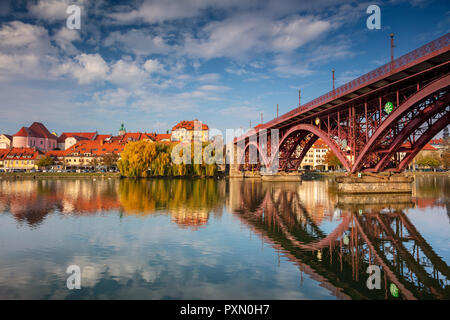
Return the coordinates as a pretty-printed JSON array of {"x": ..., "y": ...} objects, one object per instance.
[{"x": 433, "y": 54}]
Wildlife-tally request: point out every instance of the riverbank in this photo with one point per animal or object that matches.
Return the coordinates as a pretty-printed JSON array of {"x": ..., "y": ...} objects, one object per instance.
[
  {"x": 58, "y": 175},
  {"x": 306, "y": 175}
]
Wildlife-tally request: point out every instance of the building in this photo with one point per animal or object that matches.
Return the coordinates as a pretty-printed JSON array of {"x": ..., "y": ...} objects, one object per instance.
[
  {"x": 89, "y": 153},
  {"x": 3, "y": 153},
  {"x": 68, "y": 139},
  {"x": 122, "y": 130},
  {"x": 35, "y": 136},
  {"x": 427, "y": 151},
  {"x": 190, "y": 131},
  {"x": 58, "y": 157},
  {"x": 438, "y": 143},
  {"x": 22, "y": 159},
  {"x": 5, "y": 141},
  {"x": 160, "y": 137},
  {"x": 131, "y": 137},
  {"x": 315, "y": 158}
]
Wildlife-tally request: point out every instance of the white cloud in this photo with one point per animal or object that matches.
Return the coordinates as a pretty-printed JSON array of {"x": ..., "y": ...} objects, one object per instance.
[
  {"x": 64, "y": 38},
  {"x": 157, "y": 11},
  {"x": 86, "y": 68},
  {"x": 127, "y": 74},
  {"x": 25, "y": 51},
  {"x": 243, "y": 36},
  {"x": 52, "y": 10},
  {"x": 17, "y": 37},
  {"x": 153, "y": 66},
  {"x": 118, "y": 97},
  {"x": 139, "y": 42}
]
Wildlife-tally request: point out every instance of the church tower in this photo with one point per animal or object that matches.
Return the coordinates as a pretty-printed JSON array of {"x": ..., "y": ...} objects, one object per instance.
[{"x": 122, "y": 130}]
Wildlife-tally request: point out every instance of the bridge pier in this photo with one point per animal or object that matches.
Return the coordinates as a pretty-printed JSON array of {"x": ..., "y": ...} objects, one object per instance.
[
  {"x": 283, "y": 176},
  {"x": 375, "y": 183}
]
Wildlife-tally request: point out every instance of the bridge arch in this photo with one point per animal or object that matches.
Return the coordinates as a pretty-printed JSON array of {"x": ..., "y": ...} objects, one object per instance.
[
  {"x": 319, "y": 134},
  {"x": 260, "y": 152},
  {"x": 427, "y": 91}
]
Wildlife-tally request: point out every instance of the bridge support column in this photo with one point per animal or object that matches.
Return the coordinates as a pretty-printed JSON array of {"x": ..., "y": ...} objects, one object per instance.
[
  {"x": 373, "y": 183},
  {"x": 234, "y": 168},
  {"x": 283, "y": 176}
]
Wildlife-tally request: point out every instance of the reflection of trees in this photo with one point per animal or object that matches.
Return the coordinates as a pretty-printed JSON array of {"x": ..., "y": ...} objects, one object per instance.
[
  {"x": 339, "y": 260},
  {"x": 189, "y": 201}
]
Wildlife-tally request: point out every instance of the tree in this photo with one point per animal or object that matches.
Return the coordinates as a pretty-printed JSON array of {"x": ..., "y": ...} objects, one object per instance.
[
  {"x": 136, "y": 159},
  {"x": 45, "y": 161},
  {"x": 332, "y": 160},
  {"x": 428, "y": 161},
  {"x": 109, "y": 160},
  {"x": 445, "y": 156}
]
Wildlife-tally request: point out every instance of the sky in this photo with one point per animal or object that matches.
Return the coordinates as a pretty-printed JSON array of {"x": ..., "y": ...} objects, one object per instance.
[{"x": 154, "y": 63}]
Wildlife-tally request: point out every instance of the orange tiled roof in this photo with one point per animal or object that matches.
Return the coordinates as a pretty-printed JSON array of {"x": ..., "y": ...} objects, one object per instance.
[
  {"x": 3, "y": 153},
  {"x": 78, "y": 135},
  {"x": 22, "y": 154},
  {"x": 320, "y": 144},
  {"x": 132, "y": 136},
  {"x": 437, "y": 141},
  {"x": 102, "y": 136},
  {"x": 95, "y": 148},
  {"x": 427, "y": 147},
  {"x": 55, "y": 153},
  {"x": 159, "y": 136},
  {"x": 188, "y": 125}
]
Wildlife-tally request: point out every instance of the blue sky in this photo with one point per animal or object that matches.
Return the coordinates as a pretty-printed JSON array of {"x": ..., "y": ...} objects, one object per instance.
[{"x": 154, "y": 63}]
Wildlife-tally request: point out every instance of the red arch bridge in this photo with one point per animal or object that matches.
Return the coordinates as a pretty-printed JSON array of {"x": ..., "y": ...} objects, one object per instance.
[{"x": 377, "y": 122}]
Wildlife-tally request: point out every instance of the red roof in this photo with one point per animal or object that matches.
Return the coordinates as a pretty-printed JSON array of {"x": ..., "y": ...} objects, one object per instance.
[
  {"x": 37, "y": 130},
  {"x": 426, "y": 147},
  {"x": 132, "y": 136},
  {"x": 94, "y": 148},
  {"x": 24, "y": 132},
  {"x": 159, "y": 136},
  {"x": 3, "y": 153},
  {"x": 437, "y": 141},
  {"x": 77, "y": 135},
  {"x": 55, "y": 153},
  {"x": 188, "y": 125},
  {"x": 22, "y": 154},
  {"x": 102, "y": 136},
  {"x": 41, "y": 130},
  {"x": 320, "y": 144}
]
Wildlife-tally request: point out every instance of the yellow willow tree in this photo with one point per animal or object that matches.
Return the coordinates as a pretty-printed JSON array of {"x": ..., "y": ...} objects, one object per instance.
[{"x": 137, "y": 158}]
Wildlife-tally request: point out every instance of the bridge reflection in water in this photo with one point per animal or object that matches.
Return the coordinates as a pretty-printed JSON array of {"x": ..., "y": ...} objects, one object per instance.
[{"x": 372, "y": 230}]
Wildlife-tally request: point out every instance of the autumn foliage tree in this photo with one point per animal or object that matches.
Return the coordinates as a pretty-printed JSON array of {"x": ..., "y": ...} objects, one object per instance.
[
  {"x": 45, "y": 161},
  {"x": 332, "y": 160},
  {"x": 145, "y": 159}
]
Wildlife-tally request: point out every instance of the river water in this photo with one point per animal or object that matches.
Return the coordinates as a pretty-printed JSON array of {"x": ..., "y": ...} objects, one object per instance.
[{"x": 221, "y": 239}]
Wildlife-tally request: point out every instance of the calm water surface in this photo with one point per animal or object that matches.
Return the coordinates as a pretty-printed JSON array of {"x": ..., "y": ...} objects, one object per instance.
[{"x": 209, "y": 239}]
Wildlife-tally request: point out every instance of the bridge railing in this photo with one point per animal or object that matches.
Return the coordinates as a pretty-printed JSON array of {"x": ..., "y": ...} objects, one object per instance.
[{"x": 371, "y": 76}]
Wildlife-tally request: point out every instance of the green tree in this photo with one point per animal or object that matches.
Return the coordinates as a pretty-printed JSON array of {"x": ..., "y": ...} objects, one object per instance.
[
  {"x": 428, "y": 161},
  {"x": 45, "y": 161}
]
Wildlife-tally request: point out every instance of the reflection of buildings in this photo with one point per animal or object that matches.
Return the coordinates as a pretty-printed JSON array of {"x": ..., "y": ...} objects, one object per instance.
[
  {"x": 32, "y": 200},
  {"x": 188, "y": 218}
]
